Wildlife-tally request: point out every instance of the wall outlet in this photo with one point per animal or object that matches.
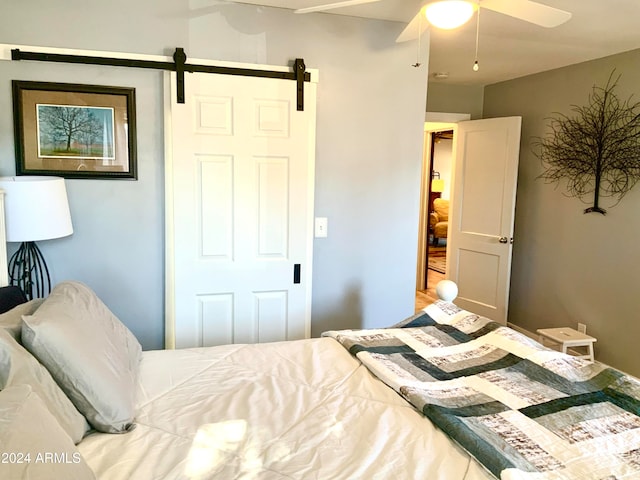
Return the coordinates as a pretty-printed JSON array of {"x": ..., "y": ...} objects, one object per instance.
[{"x": 582, "y": 328}]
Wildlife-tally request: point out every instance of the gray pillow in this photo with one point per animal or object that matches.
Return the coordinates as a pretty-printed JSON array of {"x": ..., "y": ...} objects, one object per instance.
[
  {"x": 11, "y": 320},
  {"x": 30, "y": 437},
  {"x": 91, "y": 354},
  {"x": 17, "y": 366}
]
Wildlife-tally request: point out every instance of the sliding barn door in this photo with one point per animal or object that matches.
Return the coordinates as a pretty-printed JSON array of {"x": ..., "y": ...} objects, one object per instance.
[{"x": 240, "y": 165}]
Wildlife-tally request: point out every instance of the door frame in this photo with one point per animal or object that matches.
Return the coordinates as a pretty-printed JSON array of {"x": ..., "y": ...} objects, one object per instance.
[
  {"x": 170, "y": 280},
  {"x": 434, "y": 122}
]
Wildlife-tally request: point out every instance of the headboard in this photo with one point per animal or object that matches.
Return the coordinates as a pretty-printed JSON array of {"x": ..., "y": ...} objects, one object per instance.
[{"x": 10, "y": 296}]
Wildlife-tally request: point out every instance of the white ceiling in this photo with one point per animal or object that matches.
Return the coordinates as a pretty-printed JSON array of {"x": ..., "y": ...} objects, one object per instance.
[{"x": 509, "y": 48}]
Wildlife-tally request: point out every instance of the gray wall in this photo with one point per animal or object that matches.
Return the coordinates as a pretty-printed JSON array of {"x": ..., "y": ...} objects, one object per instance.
[
  {"x": 569, "y": 267},
  {"x": 371, "y": 106},
  {"x": 447, "y": 98}
]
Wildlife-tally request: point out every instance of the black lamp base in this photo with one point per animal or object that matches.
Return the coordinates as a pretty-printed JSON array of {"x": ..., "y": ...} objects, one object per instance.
[{"x": 28, "y": 270}]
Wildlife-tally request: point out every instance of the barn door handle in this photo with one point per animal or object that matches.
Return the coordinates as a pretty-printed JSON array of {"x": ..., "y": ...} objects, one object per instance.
[{"x": 296, "y": 273}]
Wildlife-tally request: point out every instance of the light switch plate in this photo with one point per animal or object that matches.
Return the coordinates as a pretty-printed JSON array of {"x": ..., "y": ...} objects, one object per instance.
[{"x": 321, "y": 227}]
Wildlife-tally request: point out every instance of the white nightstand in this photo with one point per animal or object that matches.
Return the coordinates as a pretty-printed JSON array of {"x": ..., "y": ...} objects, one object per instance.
[{"x": 568, "y": 337}]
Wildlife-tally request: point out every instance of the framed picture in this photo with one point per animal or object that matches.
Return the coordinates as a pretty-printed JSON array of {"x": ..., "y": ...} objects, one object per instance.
[{"x": 74, "y": 131}]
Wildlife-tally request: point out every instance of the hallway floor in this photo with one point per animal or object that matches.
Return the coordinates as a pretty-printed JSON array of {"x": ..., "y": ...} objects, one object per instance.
[{"x": 428, "y": 296}]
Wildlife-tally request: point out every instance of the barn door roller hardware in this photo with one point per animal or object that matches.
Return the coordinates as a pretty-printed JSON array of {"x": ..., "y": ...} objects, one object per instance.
[{"x": 179, "y": 65}]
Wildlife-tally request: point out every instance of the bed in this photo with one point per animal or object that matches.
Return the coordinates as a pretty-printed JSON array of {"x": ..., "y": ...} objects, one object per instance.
[
  {"x": 443, "y": 395},
  {"x": 304, "y": 409}
]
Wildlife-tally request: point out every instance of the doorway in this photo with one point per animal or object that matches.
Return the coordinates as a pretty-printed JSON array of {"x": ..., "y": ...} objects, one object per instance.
[
  {"x": 436, "y": 186},
  {"x": 482, "y": 209},
  {"x": 435, "y": 194},
  {"x": 438, "y": 202},
  {"x": 439, "y": 133}
]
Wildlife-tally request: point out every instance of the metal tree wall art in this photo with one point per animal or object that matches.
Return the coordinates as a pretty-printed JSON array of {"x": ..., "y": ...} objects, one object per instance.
[{"x": 597, "y": 150}]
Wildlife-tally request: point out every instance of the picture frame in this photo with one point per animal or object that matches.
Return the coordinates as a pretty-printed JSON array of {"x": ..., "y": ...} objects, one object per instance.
[{"x": 74, "y": 131}]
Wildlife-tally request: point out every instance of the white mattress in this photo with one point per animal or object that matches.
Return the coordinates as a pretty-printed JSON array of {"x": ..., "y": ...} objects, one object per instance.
[{"x": 295, "y": 410}]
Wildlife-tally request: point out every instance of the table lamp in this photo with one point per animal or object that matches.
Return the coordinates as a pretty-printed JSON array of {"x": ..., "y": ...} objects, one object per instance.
[
  {"x": 447, "y": 290},
  {"x": 36, "y": 208},
  {"x": 437, "y": 185}
]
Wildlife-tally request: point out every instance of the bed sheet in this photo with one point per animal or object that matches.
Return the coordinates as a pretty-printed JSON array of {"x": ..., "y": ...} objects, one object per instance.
[{"x": 297, "y": 410}]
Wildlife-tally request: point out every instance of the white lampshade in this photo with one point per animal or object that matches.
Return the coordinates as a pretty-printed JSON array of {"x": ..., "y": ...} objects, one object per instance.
[
  {"x": 437, "y": 185},
  {"x": 36, "y": 208},
  {"x": 448, "y": 14}
]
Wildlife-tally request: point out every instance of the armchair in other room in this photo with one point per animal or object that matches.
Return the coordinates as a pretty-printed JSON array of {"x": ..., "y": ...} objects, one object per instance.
[{"x": 439, "y": 219}]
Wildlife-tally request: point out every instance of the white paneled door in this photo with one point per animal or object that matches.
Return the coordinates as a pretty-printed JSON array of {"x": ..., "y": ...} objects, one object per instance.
[
  {"x": 240, "y": 164},
  {"x": 482, "y": 213}
]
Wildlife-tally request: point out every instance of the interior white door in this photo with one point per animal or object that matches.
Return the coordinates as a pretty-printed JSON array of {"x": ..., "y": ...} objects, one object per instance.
[
  {"x": 239, "y": 211},
  {"x": 482, "y": 210}
]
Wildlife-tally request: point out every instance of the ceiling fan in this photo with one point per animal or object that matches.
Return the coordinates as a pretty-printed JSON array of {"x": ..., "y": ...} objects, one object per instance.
[{"x": 526, "y": 10}]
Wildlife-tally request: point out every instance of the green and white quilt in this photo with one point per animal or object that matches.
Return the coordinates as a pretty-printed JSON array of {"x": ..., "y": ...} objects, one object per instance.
[{"x": 524, "y": 411}]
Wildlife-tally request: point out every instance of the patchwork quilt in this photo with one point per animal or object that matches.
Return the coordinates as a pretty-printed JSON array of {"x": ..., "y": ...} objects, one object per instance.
[{"x": 523, "y": 410}]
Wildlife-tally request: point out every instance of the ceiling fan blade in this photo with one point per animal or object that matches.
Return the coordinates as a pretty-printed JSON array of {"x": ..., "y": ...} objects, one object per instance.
[
  {"x": 528, "y": 11},
  {"x": 331, "y": 6},
  {"x": 415, "y": 27}
]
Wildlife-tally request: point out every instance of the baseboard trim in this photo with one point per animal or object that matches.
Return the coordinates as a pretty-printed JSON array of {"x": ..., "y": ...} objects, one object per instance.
[{"x": 523, "y": 331}]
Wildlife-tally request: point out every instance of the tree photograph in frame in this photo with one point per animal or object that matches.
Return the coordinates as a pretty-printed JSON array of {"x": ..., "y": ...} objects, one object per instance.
[{"x": 74, "y": 131}]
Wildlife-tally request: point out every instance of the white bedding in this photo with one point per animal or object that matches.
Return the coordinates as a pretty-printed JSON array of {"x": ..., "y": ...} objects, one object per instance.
[{"x": 297, "y": 410}]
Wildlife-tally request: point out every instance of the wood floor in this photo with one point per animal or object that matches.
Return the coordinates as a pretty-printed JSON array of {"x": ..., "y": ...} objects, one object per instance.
[{"x": 428, "y": 296}]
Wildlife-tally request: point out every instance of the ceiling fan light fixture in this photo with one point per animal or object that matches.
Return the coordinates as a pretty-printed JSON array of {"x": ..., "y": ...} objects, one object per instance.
[{"x": 449, "y": 14}]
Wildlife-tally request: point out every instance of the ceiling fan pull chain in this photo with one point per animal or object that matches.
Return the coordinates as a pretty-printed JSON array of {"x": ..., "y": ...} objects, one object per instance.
[
  {"x": 476, "y": 67},
  {"x": 417, "y": 64}
]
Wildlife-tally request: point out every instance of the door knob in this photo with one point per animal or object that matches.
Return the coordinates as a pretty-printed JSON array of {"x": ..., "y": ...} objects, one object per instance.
[{"x": 503, "y": 240}]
